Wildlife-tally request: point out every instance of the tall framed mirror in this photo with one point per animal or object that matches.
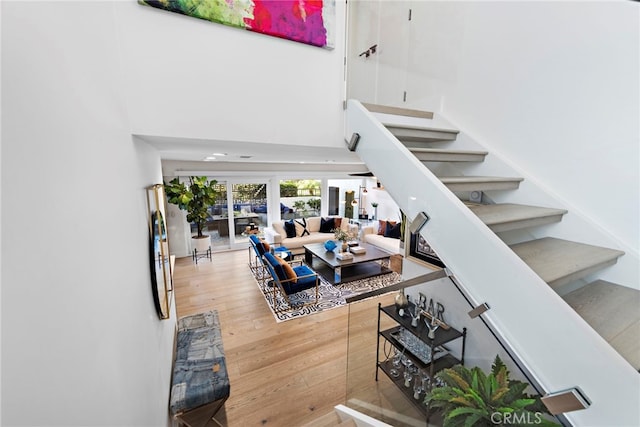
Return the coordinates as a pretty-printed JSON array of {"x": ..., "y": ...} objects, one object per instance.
[{"x": 159, "y": 257}]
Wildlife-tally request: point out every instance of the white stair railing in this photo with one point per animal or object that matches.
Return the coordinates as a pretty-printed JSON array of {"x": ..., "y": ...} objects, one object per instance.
[{"x": 551, "y": 341}]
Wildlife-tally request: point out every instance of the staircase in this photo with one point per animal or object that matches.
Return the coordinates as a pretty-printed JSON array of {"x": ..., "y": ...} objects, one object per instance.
[
  {"x": 502, "y": 254},
  {"x": 558, "y": 262}
]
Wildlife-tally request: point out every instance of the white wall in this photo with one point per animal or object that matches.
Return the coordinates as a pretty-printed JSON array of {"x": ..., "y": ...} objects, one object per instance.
[
  {"x": 81, "y": 341},
  {"x": 553, "y": 87},
  {"x": 187, "y": 77}
]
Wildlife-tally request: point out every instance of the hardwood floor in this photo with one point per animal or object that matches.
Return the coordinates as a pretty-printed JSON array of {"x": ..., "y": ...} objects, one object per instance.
[
  {"x": 281, "y": 374},
  {"x": 291, "y": 373}
]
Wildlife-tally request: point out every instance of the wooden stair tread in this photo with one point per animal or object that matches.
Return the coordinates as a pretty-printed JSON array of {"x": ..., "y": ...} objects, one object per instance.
[
  {"x": 614, "y": 312},
  {"x": 386, "y": 109},
  {"x": 454, "y": 179},
  {"x": 627, "y": 343},
  {"x": 559, "y": 261},
  {"x": 443, "y": 155},
  {"x": 480, "y": 183},
  {"x": 419, "y": 128},
  {"x": 607, "y": 307},
  {"x": 508, "y": 216},
  {"x": 415, "y": 133}
]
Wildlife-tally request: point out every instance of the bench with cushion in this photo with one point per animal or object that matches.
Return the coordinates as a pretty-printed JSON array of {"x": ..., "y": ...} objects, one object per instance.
[{"x": 200, "y": 383}]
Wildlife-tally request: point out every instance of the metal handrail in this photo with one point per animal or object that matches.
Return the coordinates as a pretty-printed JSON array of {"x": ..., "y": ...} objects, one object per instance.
[{"x": 438, "y": 274}]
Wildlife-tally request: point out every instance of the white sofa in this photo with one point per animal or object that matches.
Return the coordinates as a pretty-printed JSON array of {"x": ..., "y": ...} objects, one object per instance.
[
  {"x": 369, "y": 234},
  {"x": 276, "y": 234}
]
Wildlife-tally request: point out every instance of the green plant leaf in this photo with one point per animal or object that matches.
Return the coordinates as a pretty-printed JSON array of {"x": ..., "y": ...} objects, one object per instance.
[
  {"x": 462, "y": 411},
  {"x": 472, "y": 419}
]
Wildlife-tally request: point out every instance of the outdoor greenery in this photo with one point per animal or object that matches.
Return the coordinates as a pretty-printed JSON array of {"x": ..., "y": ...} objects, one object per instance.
[
  {"x": 314, "y": 204},
  {"x": 299, "y": 205},
  {"x": 194, "y": 198},
  {"x": 472, "y": 398},
  {"x": 299, "y": 187}
]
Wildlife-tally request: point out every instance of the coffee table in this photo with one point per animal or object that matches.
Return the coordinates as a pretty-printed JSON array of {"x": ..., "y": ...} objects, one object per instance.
[{"x": 373, "y": 262}]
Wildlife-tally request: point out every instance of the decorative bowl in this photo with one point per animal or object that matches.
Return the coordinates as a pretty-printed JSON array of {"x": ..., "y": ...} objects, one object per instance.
[{"x": 330, "y": 245}]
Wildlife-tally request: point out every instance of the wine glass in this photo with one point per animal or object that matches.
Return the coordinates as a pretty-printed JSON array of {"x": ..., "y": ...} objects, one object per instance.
[
  {"x": 418, "y": 387},
  {"x": 408, "y": 376},
  {"x": 396, "y": 362}
]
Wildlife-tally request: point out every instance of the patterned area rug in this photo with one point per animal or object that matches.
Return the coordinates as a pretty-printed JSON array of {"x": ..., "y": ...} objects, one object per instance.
[{"x": 329, "y": 296}]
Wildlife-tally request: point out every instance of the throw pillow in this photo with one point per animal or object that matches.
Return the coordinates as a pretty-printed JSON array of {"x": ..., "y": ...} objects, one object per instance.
[
  {"x": 393, "y": 230},
  {"x": 301, "y": 227},
  {"x": 290, "y": 228},
  {"x": 288, "y": 270},
  {"x": 326, "y": 225},
  {"x": 337, "y": 222},
  {"x": 382, "y": 226}
]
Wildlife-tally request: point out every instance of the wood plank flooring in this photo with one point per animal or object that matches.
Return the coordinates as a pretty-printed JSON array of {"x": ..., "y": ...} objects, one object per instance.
[{"x": 281, "y": 374}]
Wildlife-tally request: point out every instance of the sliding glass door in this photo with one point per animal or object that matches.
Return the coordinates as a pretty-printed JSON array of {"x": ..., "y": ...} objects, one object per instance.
[{"x": 249, "y": 201}]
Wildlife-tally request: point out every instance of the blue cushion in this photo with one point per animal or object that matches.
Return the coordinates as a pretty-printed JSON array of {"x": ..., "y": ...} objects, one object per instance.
[
  {"x": 327, "y": 225},
  {"x": 254, "y": 238},
  {"x": 290, "y": 228},
  {"x": 275, "y": 265},
  {"x": 303, "y": 270},
  {"x": 259, "y": 248},
  {"x": 303, "y": 282}
]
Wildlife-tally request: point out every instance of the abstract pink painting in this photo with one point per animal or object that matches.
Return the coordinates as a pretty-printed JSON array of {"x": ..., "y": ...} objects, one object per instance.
[{"x": 305, "y": 21}]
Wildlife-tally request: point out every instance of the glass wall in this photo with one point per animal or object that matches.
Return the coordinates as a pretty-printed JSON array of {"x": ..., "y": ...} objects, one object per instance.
[
  {"x": 300, "y": 198},
  {"x": 239, "y": 210}
]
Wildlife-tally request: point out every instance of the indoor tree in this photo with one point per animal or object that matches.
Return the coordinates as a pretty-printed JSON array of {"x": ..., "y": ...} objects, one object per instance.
[{"x": 195, "y": 198}]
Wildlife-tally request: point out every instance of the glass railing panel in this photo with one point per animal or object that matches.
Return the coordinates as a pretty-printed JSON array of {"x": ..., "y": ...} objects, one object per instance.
[{"x": 381, "y": 398}]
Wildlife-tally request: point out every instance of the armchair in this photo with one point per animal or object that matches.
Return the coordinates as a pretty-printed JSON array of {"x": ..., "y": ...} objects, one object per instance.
[{"x": 288, "y": 279}]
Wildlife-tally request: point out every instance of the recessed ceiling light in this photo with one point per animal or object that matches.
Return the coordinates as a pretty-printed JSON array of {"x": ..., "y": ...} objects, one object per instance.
[
  {"x": 219, "y": 154},
  {"x": 209, "y": 158}
]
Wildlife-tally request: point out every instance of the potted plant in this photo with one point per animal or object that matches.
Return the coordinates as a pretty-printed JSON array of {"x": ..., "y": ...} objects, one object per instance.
[
  {"x": 343, "y": 237},
  {"x": 472, "y": 398},
  {"x": 375, "y": 209},
  {"x": 195, "y": 198}
]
